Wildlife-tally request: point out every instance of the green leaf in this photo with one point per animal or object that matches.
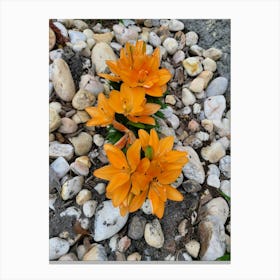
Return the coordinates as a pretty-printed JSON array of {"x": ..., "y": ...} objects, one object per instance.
[
  {"x": 113, "y": 135},
  {"x": 225, "y": 257},
  {"x": 137, "y": 125},
  {"x": 226, "y": 197},
  {"x": 160, "y": 114}
]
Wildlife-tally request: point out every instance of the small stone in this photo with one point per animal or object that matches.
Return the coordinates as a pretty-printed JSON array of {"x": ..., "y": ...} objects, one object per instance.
[
  {"x": 82, "y": 143},
  {"x": 89, "y": 33},
  {"x": 187, "y": 257},
  {"x": 124, "y": 244},
  {"x": 61, "y": 28},
  {"x": 116, "y": 46},
  {"x": 136, "y": 227},
  {"x": 98, "y": 140},
  {"x": 83, "y": 99},
  {"x": 113, "y": 243},
  {"x": 153, "y": 234},
  {"x": 147, "y": 207},
  {"x": 174, "y": 121},
  {"x": 123, "y": 34},
  {"x": 191, "y": 186},
  {"x": 178, "y": 181},
  {"x": 214, "y": 107},
  {"x": 191, "y": 38},
  {"x": 52, "y": 39},
  {"x": 60, "y": 167},
  {"x": 57, "y": 248},
  {"x": 67, "y": 126},
  {"x": 217, "y": 87},
  {"x": 55, "y": 54},
  {"x": 144, "y": 36},
  {"x": 193, "y": 126},
  {"x": 62, "y": 80},
  {"x": 60, "y": 150},
  {"x": 201, "y": 95},
  {"x": 209, "y": 64},
  {"x": 169, "y": 258},
  {"x": 202, "y": 136},
  {"x": 213, "y": 170},
  {"x": 197, "y": 85},
  {"x": 67, "y": 22},
  {"x": 80, "y": 24},
  {"x": 222, "y": 127},
  {"x": 213, "y": 53},
  {"x": 108, "y": 221},
  {"x": 83, "y": 196},
  {"x": 90, "y": 43},
  {"x": 224, "y": 166},
  {"x": 54, "y": 120},
  {"x": 81, "y": 117},
  {"x": 188, "y": 97},
  {"x": 81, "y": 250},
  {"x": 79, "y": 46},
  {"x": 100, "y": 188},
  {"x": 76, "y": 36},
  {"x": 149, "y": 49},
  {"x": 134, "y": 257},
  {"x": 120, "y": 257},
  {"x": 104, "y": 37},
  {"x": 68, "y": 257},
  {"x": 56, "y": 106},
  {"x": 154, "y": 40},
  {"x": 178, "y": 57},
  {"x": 207, "y": 125},
  {"x": 71, "y": 187},
  {"x": 186, "y": 111},
  {"x": 192, "y": 66},
  {"x": 196, "y": 50},
  {"x": 163, "y": 52},
  {"x": 213, "y": 181},
  {"x": 170, "y": 99},
  {"x": 225, "y": 187},
  {"x": 71, "y": 211},
  {"x": 79, "y": 168},
  {"x": 214, "y": 152},
  {"x": 89, "y": 208},
  {"x": 182, "y": 228},
  {"x": 92, "y": 84},
  {"x": 96, "y": 253},
  {"x": 193, "y": 248},
  {"x": 148, "y": 23},
  {"x": 206, "y": 76},
  {"x": 225, "y": 142},
  {"x": 175, "y": 25},
  {"x": 50, "y": 88},
  {"x": 171, "y": 45},
  {"x": 102, "y": 52}
]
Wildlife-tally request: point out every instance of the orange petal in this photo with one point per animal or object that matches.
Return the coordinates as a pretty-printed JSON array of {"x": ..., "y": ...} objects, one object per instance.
[
  {"x": 176, "y": 157},
  {"x": 173, "y": 194},
  {"x": 142, "y": 119},
  {"x": 137, "y": 201},
  {"x": 164, "y": 76},
  {"x": 144, "y": 138},
  {"x": 116, "y": 157},
  {"x": 154, "y": 141},
  {"x": 165, "y": 145},
  {"x": 120, "y": 194},
  {"x": 160, "y": 209},
  {"x": 154, "y": 199},
  {"x": 110, "y": 77},
  {"x": 113, "y": 66},
  {"x": 133, "y": 155},
  {"x": 160, "y": 190},
  {"x": 143, "y": 165},
  {"x": 115, "y": 102},
  {"x": 154, "y": 91},
  {"x": 117, "y": 181},
  {"x": 169, "y": 176},
  {"x": 123, "y": 209},
  {"x": 106, "y": 172},
  {"x": 150, "y": 108}
]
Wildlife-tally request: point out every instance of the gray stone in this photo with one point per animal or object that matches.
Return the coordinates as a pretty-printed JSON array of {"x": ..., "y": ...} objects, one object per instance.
[
  {"x": 79, "y": 46},
  {"x": 89, "y": 208},
  {"x": 191, "y": 186},
  {"x": 92, "y": 84},
  {"x": 153, "y": 234},
  {"x": 178, "y": 57},
  {"x": 67, "y": 126},
  {"x": 100, "y": 188},
  {"x": 71, "y": 211},
  {"x": 136, "y": 227},
  {"x": 209, "y": 64},
  {"x": 213, "y": 181},
  {"x": 76, "y": 36},
  {"x": 171, "y": 45},
  {"x": 175, "y": 25},
  {"x": 224, "y": 166},
  {"x": 123, "y": 34},
  {"x": 60, "y": 167},
  {"x": 225, "y": 187},
  {"x": 214, "y": 107},
  {"x": 124, "y": 244},
  {"x": 57, "y": 248},
  {"x": 71, "y": 187},
  {"x": 60, "y": 150},
  {"x": 213, "y": 53},
  {"x": 191, "y": 38},
  {"x": 217, "y": 87},
  {"x": 147, "y": 207},
  {"x": 154, "y": 40}
]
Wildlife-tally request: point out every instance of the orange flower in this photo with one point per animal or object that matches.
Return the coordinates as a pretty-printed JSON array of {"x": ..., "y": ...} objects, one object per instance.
[
  {"x": 137, "y": 69},
  {"x": 131, "y": 103}
]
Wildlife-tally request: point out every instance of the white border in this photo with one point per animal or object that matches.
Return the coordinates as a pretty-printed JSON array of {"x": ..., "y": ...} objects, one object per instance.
[{"x": 255, "y": 138}]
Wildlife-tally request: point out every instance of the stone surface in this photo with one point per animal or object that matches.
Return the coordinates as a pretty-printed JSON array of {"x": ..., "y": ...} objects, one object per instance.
[
  {"x": 134, "y": 257},
  {"x": 188, "y": 97},
  {"x": 178, "y": 57},
  {"x": 57, "y": 248},
  {"x": 81, "y": 117},
  {"x": 82, "y": 143},
  {"x": 196, "y": 50},
  {"x": 71, "y": 187},
  {"x": 83, "y": 196},
  {"x": 153, "y": 234},
  {"x": 154, "y": 40},
  {"x": 213, "y": 53},
  {"x": 170, "y": 99},
  {"x": 136, "y": 227},
  {"x": 98, "y": 140},
  {"x": 96, "y": 253},
  {"x": 123, "y": 34},
  {"x": 224, "y": 166},
  {"x": 100, "y": 53},
  {"x": 92, "y": 84},
  {"x": 175, "y": 25},
  {"x": 193, "y": 66},
  {"x": 191, "y": 38},
  {"x": 108, "y": 221},
  {"x": 225, "y": 187},
  {"x": 191, "y": 186},
  {"x": 76, "y": 36},
  {"x": 214, "y": 152},
  {"x": 171, "y": 45},
  {"x": 147, "y": 207},
  {"x": 178, "y": 181},
  {"x": 213, "y": 181},
  {"x": 124, "y": 244},
  {"x": 89, "y": 208},
  {"x": 71, "y": 211},
  {"x": 83, "y": 99},
  {"x": 52, "y": 39},
  {"x": 214, "y": 107},
  {"x": 79, "y": 168},
  {"x": 60, "y": 150},
  {"x": 209, "y": 64},
  {"x": 104, "y": 37},
  {"x": 193, "y": 248},
  {"x": 217, "y": 87},
  {"x": 60, "y": 167},
  {"x": 67, "y": 126},
  {"x": 68, "y": 257},
  {"x": 54, "y": 120},
  {"x": 62, "y": 80},
  {"x": 80, "y": 24}
]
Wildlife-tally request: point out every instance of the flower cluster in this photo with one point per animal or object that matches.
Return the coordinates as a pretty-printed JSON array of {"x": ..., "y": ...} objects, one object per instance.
[{"x": 145, "y": 166}]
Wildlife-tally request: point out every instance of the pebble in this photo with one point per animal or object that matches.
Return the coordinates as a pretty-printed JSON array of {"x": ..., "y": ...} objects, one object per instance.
[
  {"x": 108, "y": 221},
  {"x": 89, "y": 208},
  {"x": 100, "y": 188},
  {"x": 191, "y": 38},
  {"x": 202, "y": 136},
  {"x": 188, "y": 97},
  {"x": 217, "y": 87},
  {"x": 170, "y": 99},
  {"x": 82, "y": 143},
  {"x": 147, "y": 207},
  {"x": 81, "y": 117},
  {"x": 207, "y": 125},
  {"x": 163, "y": 52},
  {"x": 100, "y": 53},
  {"x": 52, "y": 39},
  {"x": 71, "y": 187},
  {"x": 60, "y": 167},
  {"x": 186, "y": 111},
  {"x": 124, "y": 244},
  {"x": 193, "y": 169},
  {"x": 67, "y": 126},
  {"x": 68, "y": 257},
  {"x": 136, "y": 227},
  {"x": 209, "y": 64},
  {"x": 193, "y": 126},
  {"x": 113, "y": 243},
  {"x": 149, "y": 49},
  {"x": 193, "y": 248},
  {"x": 225, "y": 142},
  {"x": 134, "y": 257},
  {"x": 154, "y": 40},
  {"x": 57, "y": 248},
  {"x": 98, "y": 140},
  {"x": 116, "y": 46},
  {"x": 96, "y": 253},
  {"x": 171, "y": 45},
  {"x": 213, "y": 170},
  {"x": 178, "y": 181},
  {"x": 81, "y": 250},
  {"x": 153, "y": 234},
  {"x": 62, "y": 80},
  {"x": 225, "y": 187},
  {"x": 224, "y": 166},
  {"x": 79, "y": 168},
  {"x": 60, "y": 150},
  {"x": 213, "y": 181},
  {"x": 71, "y": 211},
  {"x": 83, "y": 196},
  {"x": 61, "y": 28},
  {"x": 79, "y": 46},
  {"x": 67, "y": 22},
  {"x": 197, "y": 85},
  {"x": 182, "y": 228},
  {"x": 174, "y": 121},
  {"x": 144, "y": 36},
  {"x": 90, "y": 43},
  {"x": 80, "y": 24},
  {"x": 104, "y": 37},
  {"x": 212, "y": 239},
  {"x": 92, "y": 84},
  {"x": 123, "y": 34},
  {"x": 178, "y": 57},
  {"x": 54, "y": 120},
  {"x": 196, "y": 50},
  {"x": 55, "y": 54},
  {"x": 187, "y": 257},
  {"x": 222, "y": 127},
  {"x": 214, "y": 107},
  {"x": 214, "y": 152},
  {"x": 120, "y": 257},
  {"x": 213, "y": 53},
  {"x": 76, "y": 36},
  {"x": 206, "y": 76},
  {"x": 191, "y": 186},
  {"x": 169, "y": 258},
  {"x": 192, "y": 66},
  {"x": 89, "y": 33},
  {"x": 83, "y": 99},
  {"x": 175, "y": 25}
]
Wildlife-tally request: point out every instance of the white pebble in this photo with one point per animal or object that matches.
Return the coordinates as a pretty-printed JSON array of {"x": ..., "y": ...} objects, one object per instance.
[
  {"x": 98, "y": 140},
  {"x": 83, "y": 196},
  {"x": 191, "y": 38},
  {"x": 193, "y": 248},
  {"x": 171, "y": 45},
  {"x": 60, "y": 167},
  {"x": 89, "y": 208},
  {"x": 100, "y": 188}
]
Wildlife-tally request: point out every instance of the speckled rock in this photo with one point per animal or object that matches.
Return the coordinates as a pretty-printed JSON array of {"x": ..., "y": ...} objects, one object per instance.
[
  {"x": 136, "y": 227},
  {"x": 83, "y": 99},
  {"x": 89, "y": 208},
  {"x": 193, "y": 248},
  {"x": 214, "y": 152},
  {"x": 193, "y": 66},
  {"x": 214, "y": 107},
  {"x": 191, "y": 186},
  {"x": 54, "y": 120},
  {"x": 213, "y": 53},
  {"x": 217, "y": 87},
  {"x": 224, "y": 166},
  {"x": 124, "y": 34},
  {"x": 60, "y": 150},
  {"x": 153, "y": 234},
  {"x": 171, "y": 45},
  {"x": 92, "y": 84},
  {"x": 57, "y": 248},
  {"x": 60, "y": 167},
  {"x": 96, "y": 253},
  {"x": 209, "y": 64},
  {"x": 175, "y": 25},
  {"x": 191, "y": 38},
  {"x": 83, "y": 196},
  {"x": 67, "y": 126},
  {"x": 82, "y": 143},
  {"x": 71, "y": 187}
]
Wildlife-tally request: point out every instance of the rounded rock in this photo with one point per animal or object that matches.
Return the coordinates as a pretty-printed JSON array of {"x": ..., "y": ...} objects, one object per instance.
[
  {"x": 91, "y": 84},
  {"x": 124, "y": 244},
  {"x": 191, "y": 38},
  {"x": 217, "y": 87},
  {"x": 209, "y": 64},
  {"x": 225, "y": 187},
  {"x": 67, "y": 126},
  {"x": 171, "y": 45},
  {"x": 60, "y": 167},
  {"x": 178, "y": 57},
  {"x": 104, "y": 37},
  {"x": 96, "y": 253},
  {"x": 214, "y": 152},
  {"x": 81, "y": 117},
  {"x": 147, "y": 207},
  {"x": 123, "y": 34},
  {"x": 224, "y": 166},
  {"x": 89, "y": 33},
  {"x": 188, "y": 97},
  {"x": 213, "y": 53},
  {"x": 89, "y": 208},
  {"x": 71, "y": 187},
  {"x": 57, "y": 248},
  {"x": 214, "y": 107},
  {"x": 83, "y": 196},
  {"x": 82, "y": 143},
  {"x": 98, "y": 140},
  {"x": 60, "y": 150},
  {"x": 83, "y": 99},
  {"x": 213, "y": 181},
  {"x": 52, "y": 39},
  {"x": 134, "y": 257},
  {"x": 54, "y": 120},
  {"x": 136, "y": 227},
  {"x": 79, "y": 168},
  {"x": 192, "y": 66},
  {"x": 100, "y": 188},
  {"x": 175, "y": 25},
  {"x": 76, "y": 36},
  {"x": 68, "y": 257},
  {"x": 191, "y": 186},
  {"x": 154, "y": 40},
  {"x": 197, "y": 85},
  {"x": 79, "y": 46},
  {"x": 193, "y": 248},
  {"x": 153, "y": 234}
]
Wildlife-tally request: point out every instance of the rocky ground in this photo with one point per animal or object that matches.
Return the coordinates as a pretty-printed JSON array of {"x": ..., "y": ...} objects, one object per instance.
[{"x": 82, "y": 224}]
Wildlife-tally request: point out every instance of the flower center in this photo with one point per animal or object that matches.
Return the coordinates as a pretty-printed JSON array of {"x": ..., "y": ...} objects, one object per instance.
[{"x": 142, "y": 75}]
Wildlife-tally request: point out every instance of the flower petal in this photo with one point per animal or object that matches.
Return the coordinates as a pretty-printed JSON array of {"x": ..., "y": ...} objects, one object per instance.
[
  {"x": 152, "y": 195},
  {"x": 142, "y": 119},
  {"x": 160, "y": 209},
  {"x": 116, "y": 157},
  {"x": 150, "y": 109},
  {"x": 120, "y": 194},
  {"x": 164, "y": 76},
  {"x": 165, "y": 145},
  {"x": 173, "y": 194},
  {"x": 115, "y": 102},
  {"x": 154, "y": 91},
  {"x": 116, "y": 181},
  {"x": 110, "y": 77},
  {"x": 144, "y": 138},
  {"x": 106, "y": 172},
  {"x": 133, "y": 155},
  {"x": 137, "y": 201},
  {"x": 153, "y": 141},
  {"x": 169, "y": 176}
]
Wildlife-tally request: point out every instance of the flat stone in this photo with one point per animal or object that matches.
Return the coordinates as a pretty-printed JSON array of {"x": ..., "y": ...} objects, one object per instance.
[
  {"x": 83, "y": 99},
  {"x": 60, "y": 167},
  {"x": 82, "y": 143},
  {"x": 67, "y": 126},
  {"x": 136, "y": 227},
  {"x": 171, "y": 45},
  {"x": 213, "y": 53},
  {"x": 57, "y": 248},
  {"x": 193, "y": 66},
  {"x": 191, "y": 38},
  {"x": 153, "y": 234},
  {"x": 214, "y": 107},
  {"x": 96, "y": 253},
  {"x": 79, "y": 168},
  {"x": 71, "y": 187},
  {"x": 217, "y": 87},
  {"x": 191, "y": 186},
  {"x": 60, "y": 150},
  {"x": 197, "y": 85},
  {"x": 214, "y": 152},
  {"x": 209, "y": 64}
]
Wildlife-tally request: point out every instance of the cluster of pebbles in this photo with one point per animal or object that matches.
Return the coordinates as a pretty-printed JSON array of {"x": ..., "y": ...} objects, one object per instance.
[{"x": 84, "y": 225}]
